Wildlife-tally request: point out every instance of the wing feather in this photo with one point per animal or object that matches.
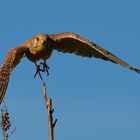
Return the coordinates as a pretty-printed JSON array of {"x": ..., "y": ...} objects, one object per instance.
[
  {"x": 12, "y": 59},
  {"x": 73, "y": 43}
]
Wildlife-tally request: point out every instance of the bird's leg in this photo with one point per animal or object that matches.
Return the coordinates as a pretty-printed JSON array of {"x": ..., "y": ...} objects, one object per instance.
[
  {"x": 45, "y": 67},
  {"x": 38, "y": 70}
]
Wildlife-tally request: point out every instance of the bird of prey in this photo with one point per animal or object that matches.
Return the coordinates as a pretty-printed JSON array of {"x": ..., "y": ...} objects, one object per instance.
[{"x": 41, "y": 46}]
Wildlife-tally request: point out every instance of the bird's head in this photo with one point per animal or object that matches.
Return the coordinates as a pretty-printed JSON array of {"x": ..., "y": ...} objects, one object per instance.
[{"x": 39, "y": 41}]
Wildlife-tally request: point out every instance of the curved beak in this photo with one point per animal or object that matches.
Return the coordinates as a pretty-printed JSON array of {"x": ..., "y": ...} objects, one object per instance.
[{"x": 42, "y": 41}]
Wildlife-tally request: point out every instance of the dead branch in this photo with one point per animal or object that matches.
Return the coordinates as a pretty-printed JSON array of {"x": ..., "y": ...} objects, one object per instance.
[{"x": 48, "y": 103}]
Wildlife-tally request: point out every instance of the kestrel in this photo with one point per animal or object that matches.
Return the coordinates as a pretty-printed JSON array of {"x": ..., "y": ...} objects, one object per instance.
[{"x": 41, "y": 46}]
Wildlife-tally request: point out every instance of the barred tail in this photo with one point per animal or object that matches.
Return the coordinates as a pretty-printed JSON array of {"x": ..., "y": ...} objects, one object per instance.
[{"x": 4, "y": 79}]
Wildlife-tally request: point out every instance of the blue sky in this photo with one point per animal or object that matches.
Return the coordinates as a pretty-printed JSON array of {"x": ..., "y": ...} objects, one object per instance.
[{"x": 93, "y": 99}]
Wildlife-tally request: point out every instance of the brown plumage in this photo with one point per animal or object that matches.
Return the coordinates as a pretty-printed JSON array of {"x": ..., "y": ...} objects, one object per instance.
[{"x": 41, "y": 46}]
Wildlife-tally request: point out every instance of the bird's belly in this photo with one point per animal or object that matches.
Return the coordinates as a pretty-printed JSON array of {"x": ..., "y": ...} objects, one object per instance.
[{"x": 42, "y": 54}]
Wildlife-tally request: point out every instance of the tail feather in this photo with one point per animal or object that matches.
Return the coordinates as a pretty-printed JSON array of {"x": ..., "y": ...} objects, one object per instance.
[{"x": 4, "y": 79}]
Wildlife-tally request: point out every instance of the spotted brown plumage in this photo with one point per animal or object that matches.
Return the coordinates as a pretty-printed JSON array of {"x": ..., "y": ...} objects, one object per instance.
[{"x": 41, "y": 46}]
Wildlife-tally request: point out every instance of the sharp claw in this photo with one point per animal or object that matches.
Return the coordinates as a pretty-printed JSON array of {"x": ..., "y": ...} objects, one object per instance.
[
  {"x": 38, "y": 69},
  {"x": 45, "y": 67}
]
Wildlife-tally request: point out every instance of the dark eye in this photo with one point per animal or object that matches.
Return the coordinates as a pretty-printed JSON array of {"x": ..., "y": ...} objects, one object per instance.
[{"x": 37, "y": 39}]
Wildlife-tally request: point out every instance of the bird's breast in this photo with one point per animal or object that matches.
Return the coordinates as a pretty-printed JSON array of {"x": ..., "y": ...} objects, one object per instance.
[{"x": 34, "y": 55}]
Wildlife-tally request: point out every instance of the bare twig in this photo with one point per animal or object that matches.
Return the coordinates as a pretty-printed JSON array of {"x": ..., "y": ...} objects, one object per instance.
[{"x": 48, "y": 103}]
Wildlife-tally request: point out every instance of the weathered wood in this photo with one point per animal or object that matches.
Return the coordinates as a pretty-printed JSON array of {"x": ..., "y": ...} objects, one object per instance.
[{"x": 48, "y": 103}]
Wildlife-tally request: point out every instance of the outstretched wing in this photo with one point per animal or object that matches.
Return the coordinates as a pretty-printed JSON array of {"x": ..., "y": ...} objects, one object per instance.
[
  {"x": 73, "y": 43},
  {"x": 12, "y": 59}
]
